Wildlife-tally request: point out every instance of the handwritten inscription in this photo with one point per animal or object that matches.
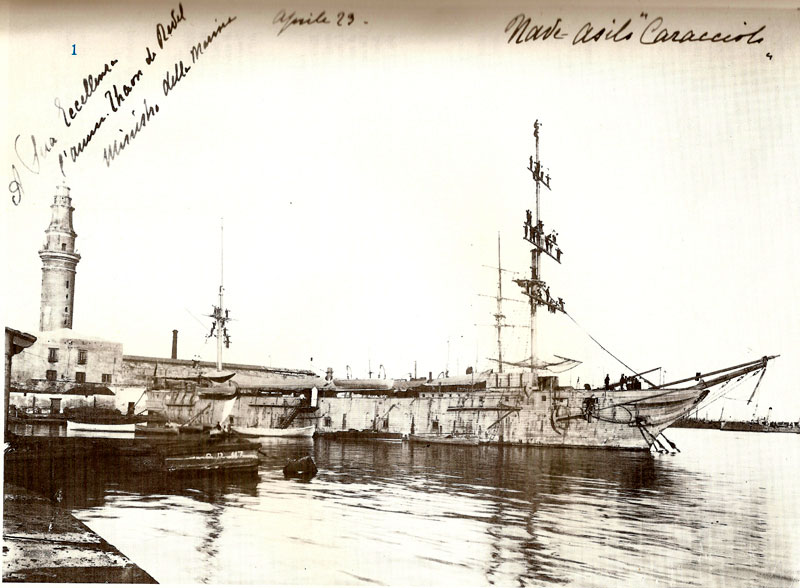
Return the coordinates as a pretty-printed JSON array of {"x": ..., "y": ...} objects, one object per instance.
[
  {"x": 171, "y": 79},
  {"x": 521, "y": 29},
  {"x": 29, "y": 158},
  {"x": 524, "y": 31},
  {"x": 198, "y": 49},
  {"x": 31, "y": 152},
  {"x": 163, "y": 34},
  {"x": 114, "y": 149},
  {"x": 90, "y": 84},
  {"x": 656, "y": 32},
  {"x": 15, "y": 186},
  {"x": 76, "y": 150},
  {"x": 587, "y": 33},
  {"x": 287, "y": 20},
  {"x": 116, "y": 99}
]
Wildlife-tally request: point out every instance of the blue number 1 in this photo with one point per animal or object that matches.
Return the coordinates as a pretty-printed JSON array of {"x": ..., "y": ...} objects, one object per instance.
[{"x": 73, "y": 49}]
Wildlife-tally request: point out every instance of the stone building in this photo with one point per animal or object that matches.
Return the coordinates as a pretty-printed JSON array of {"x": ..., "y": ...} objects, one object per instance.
[{"x": 63, "y": 368}]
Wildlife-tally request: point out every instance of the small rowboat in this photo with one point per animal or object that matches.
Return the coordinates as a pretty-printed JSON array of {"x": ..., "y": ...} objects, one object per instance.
[
  {"x": 100, "y": 420},
  {"x": 445, "y": 439},
  {"x": 268, "y": 432},
  {"x": 102, "y": 427}
]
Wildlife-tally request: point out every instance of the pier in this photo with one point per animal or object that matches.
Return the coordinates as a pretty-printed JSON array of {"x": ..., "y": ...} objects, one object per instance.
[{"x": 43, "y": 542}]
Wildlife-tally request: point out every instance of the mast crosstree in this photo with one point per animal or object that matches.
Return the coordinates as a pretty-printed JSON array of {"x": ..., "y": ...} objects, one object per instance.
[{"x": 536, "y": 290}]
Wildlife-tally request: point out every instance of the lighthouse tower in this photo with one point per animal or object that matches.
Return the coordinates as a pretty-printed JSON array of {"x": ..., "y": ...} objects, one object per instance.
[{"x": 58, "y": 265}]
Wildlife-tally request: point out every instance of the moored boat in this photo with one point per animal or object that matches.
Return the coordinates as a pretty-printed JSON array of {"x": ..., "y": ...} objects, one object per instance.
[
  {"x": 102, "y": 427},
  {"x": 227, "y": 455},
  {"x": 270, "y": 432},
  {"x": 100, "y": 420},
  {"x": 445, "y": 439}
]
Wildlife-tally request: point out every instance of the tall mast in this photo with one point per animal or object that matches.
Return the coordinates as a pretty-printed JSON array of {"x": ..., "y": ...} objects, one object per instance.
[
  {"x": 220, "y": 313},
  {"x": 221, "y": 282},
  {"x": 535, "y": 254},
  {"x": 535, "y": 288},
  {"x": 499, "y": 315}
]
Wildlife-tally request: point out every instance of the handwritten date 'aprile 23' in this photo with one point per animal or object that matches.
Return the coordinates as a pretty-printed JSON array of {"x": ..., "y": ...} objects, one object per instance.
[{"x": 287, "y": 19}]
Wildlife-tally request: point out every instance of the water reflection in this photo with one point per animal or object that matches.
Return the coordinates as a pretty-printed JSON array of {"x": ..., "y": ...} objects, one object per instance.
[{"x": 401, "y": 514}]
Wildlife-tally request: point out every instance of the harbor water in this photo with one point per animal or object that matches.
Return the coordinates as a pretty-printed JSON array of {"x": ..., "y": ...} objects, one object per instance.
[{"x": 723, "y": 512}]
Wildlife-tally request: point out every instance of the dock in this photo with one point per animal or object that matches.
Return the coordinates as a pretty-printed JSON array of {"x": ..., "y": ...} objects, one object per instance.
[{"x": 43, "y": 542}]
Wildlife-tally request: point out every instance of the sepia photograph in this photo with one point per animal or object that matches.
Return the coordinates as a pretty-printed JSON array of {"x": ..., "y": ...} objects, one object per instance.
[{"x": 450, "y": 293}]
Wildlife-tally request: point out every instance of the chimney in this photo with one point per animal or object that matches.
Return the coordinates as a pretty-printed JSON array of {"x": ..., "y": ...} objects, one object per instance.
[{"x": 174, "y": 343}]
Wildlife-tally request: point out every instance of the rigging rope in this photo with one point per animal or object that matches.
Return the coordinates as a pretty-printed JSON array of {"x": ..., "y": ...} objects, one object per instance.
[
  {"x": 719, "y": 394},
  {"x": 603, "y": 348}
]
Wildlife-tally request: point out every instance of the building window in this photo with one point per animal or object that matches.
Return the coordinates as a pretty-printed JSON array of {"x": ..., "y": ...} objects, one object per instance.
[
  {"x": 328, "y": 421},
  {"x": 106, "y": 378},
  {"x": 80, "y": 377},
  {"x": 66, "y": 283},
  {"x": 52, "y": 356},
  {"x": 544, "y": 398},
  {"x": 82, "y": 356},
  {"x": 67, "y": 295},
  {"x": 51, "y": 375},
  {"x": 63, "y": 247},
  {"x": 66, "y": 309},
  {"x": 65, "y": 322}
]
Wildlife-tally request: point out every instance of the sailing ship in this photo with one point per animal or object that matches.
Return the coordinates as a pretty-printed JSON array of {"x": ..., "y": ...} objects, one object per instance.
[
  {"x": 525, "y": 406},
  {"x": 529, "y": 407}
]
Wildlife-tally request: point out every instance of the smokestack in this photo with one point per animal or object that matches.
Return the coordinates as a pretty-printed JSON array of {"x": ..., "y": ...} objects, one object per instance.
[{"x": 174, "y": 343}]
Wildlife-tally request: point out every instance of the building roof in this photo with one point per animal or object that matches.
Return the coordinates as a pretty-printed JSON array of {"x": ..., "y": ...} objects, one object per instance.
[
  {"x": 210, "y": 364},
  {"x": 65, "y": 333},
  {"x": 18, "y": 340}
]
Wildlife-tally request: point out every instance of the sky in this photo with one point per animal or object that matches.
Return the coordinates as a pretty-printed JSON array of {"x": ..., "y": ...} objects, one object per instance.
[{"x": 364, "y": 172}]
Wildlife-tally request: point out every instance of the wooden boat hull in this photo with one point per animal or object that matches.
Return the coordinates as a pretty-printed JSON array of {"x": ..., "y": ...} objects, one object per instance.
[
  {"x": 263, "y": 432},
  {"x": 193, "y": 455},
  {"x": 147, "y": 429},
  {"x": 444, "y": 440},
  {"x": 101, "y": 427},
  {"x": 221, "y": 459}
]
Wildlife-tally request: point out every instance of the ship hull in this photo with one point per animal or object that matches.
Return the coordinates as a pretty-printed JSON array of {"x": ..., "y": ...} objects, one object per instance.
[{"x": 542, "y": 416}]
